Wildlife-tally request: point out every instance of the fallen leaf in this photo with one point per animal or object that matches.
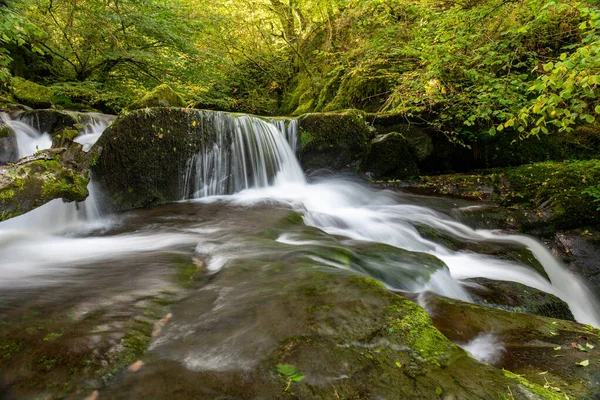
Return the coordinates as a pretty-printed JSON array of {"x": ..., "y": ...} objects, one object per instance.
[
  {"x": 584, "y": 363},
  {"x": 543, "y": 373},
  {"x": 136, "y": 366},
  {"x": 589, "y": 346},
  {"x": 558, "y": 348}
]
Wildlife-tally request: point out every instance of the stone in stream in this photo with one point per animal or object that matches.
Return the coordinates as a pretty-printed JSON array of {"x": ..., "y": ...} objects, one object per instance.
[
  {"x": 336, "y": 141},
  {"x": 36, "y": 180},
  {"x": 539, "y": 349}
]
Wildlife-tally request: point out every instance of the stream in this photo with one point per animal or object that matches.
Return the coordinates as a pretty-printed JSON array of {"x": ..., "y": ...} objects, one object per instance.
[{"x": 207, "y": 265}]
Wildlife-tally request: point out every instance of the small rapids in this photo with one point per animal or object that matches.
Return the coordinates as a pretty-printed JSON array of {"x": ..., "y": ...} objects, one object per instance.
[{"x": 232, "y": 191}]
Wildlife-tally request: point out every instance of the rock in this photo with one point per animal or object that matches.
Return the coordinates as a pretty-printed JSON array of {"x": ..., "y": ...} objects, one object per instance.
[
  {"x": 145, "y": 154},
  {"x": 390, "y": 158},
  {"x": 335, "y": 141},
  {"x": 580, "y": 250},
  {"x": 31, "y": 94},
  {"x": 419, "y": 141},
  {"x": 344, "y": 334},
  {"x": 34, "y": 181},
  {"x": 161, "y": 96},
  {"x": 515, "y": 297},
  {"x": 8, "y": 145},
  {"x": 49, "y": 121},
  {"x": 537, "y": 348}
]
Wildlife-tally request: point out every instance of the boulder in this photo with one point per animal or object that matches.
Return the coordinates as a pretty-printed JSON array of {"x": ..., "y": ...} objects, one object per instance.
[
  {"x": 390, "y": 158},
  {"x": 145, "y": 154},
  {"x": 161, "y": 96},
  {"x": 544, "y": 351},
  {"x": 336, "y": 141},
  {"x": 51, "y": 174},
  {"x": 49, "y": 121},
  {"x": 513, "y": 296}
]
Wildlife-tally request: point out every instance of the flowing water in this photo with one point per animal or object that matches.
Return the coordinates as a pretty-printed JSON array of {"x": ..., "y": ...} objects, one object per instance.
[{"x": 253, "y": 215}]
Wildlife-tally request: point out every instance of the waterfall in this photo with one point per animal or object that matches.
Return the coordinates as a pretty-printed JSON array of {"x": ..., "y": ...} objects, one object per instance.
[
  {"x": 247, "y": 152},
  {"x": 94, "y": 125},
  {"x": 29, "y": 140}
]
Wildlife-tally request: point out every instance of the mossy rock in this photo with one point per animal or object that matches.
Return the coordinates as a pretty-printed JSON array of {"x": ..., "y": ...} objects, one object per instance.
[
  {"x": 161, "y": 96},
  {"x": 537, "y": 348},
  {"x": 390, "y": 158},
  {"x": 513, "y": 296},
  {"x": 336, "y": 141},
  {"x": 346, "y": 336},
  {"x": 31, "y": 94},
  {"x": 145, "y": 152},
  {"x": 50, "y": 121},
  {"x": 419, "y": 140},
  {"x": 36, "y": 180}
]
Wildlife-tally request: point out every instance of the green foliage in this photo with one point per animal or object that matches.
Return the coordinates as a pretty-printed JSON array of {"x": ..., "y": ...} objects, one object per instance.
[
  {"x": 594, "y": 193},
  {"x": 290, "y": 372}
]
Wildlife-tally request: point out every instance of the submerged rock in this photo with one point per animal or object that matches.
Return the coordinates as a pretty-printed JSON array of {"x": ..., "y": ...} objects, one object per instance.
[
  {"x": 390, "y": 158},
  {"x": 335, "y": 141},
  {"x": 319, "y": 334}
]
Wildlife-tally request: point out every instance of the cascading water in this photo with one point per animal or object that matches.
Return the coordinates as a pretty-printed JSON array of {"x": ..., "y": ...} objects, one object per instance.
[
  {"x": 29, "y": 140},
  {"x": 251, "y": 163},
  {"x": 246, "y": 153},
  {"x": 93, "y": 128}
]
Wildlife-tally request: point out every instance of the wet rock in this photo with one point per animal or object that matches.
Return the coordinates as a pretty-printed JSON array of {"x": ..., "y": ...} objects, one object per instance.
[
  {"x": 34, "y": 181},
  {"x": 580, "y": 250},
  {"x": 419, "y": 141},
  {"x": 537, "y": 348},
  {"x": 390, "y": 158},
  {"x": 516, "y": 297},
  {"x": 335, "y": 141},
  {"x": 161, "y": 96},
  {"x": 145, "y": 154},
  {"x": 8, "y": 145},
  {"x": 336, "y": 332},
  {"x": 49, "y": 121}
]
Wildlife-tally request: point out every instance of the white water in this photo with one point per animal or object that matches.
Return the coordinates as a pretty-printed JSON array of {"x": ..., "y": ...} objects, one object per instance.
[
  {"x": 93, "y": 128},
  {"x": 29, "y": 139},
  {"x": 485, "y": 347},
  {"x": 247, "y": 153},
  {"x": 254, "y": 159}
]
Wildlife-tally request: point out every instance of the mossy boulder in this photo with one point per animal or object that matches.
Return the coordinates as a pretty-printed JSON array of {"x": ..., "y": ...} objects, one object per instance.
[
  {"x": 31, "y": 94},
  {"x": 515, "y": 297},
  {"x": 34, "y": 181},
  {"x": 336, "y": 141},
  {"x": 390, "y": 158},
  {"x": 145, "y": 154},
  {"x": 161, "y": 96},
  {"x": 346, "y": 336},
  {"x": 542, "y": 350},
  {"x": 419, "y": 140}
]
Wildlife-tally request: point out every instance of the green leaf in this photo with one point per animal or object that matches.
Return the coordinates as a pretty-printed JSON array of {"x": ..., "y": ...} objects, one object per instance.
[
  {"x": 597, "y": 109},
  {"x": 557, "y": 348},
  {"x": 549, "y": 66},
  {"x": 584, "y": 363},
  {"x": 589, "y": 346},
  {"x": 398, "y": 364},
  {"x": 438, "y": 390}
]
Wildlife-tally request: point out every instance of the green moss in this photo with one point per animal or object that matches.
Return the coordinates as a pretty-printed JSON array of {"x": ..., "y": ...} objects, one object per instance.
[
  {"x": 32, "y": 94},
  {"x": 70, "y": 186},
  {"x": 6, "y": 194},
  {"x": 5, "y": 131},
  {"x": 416, "y": 328},
  {"x": 8, "y": 348},
  {"x": 545, "y": 393},
  {"x": 161, "y": 96}
]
